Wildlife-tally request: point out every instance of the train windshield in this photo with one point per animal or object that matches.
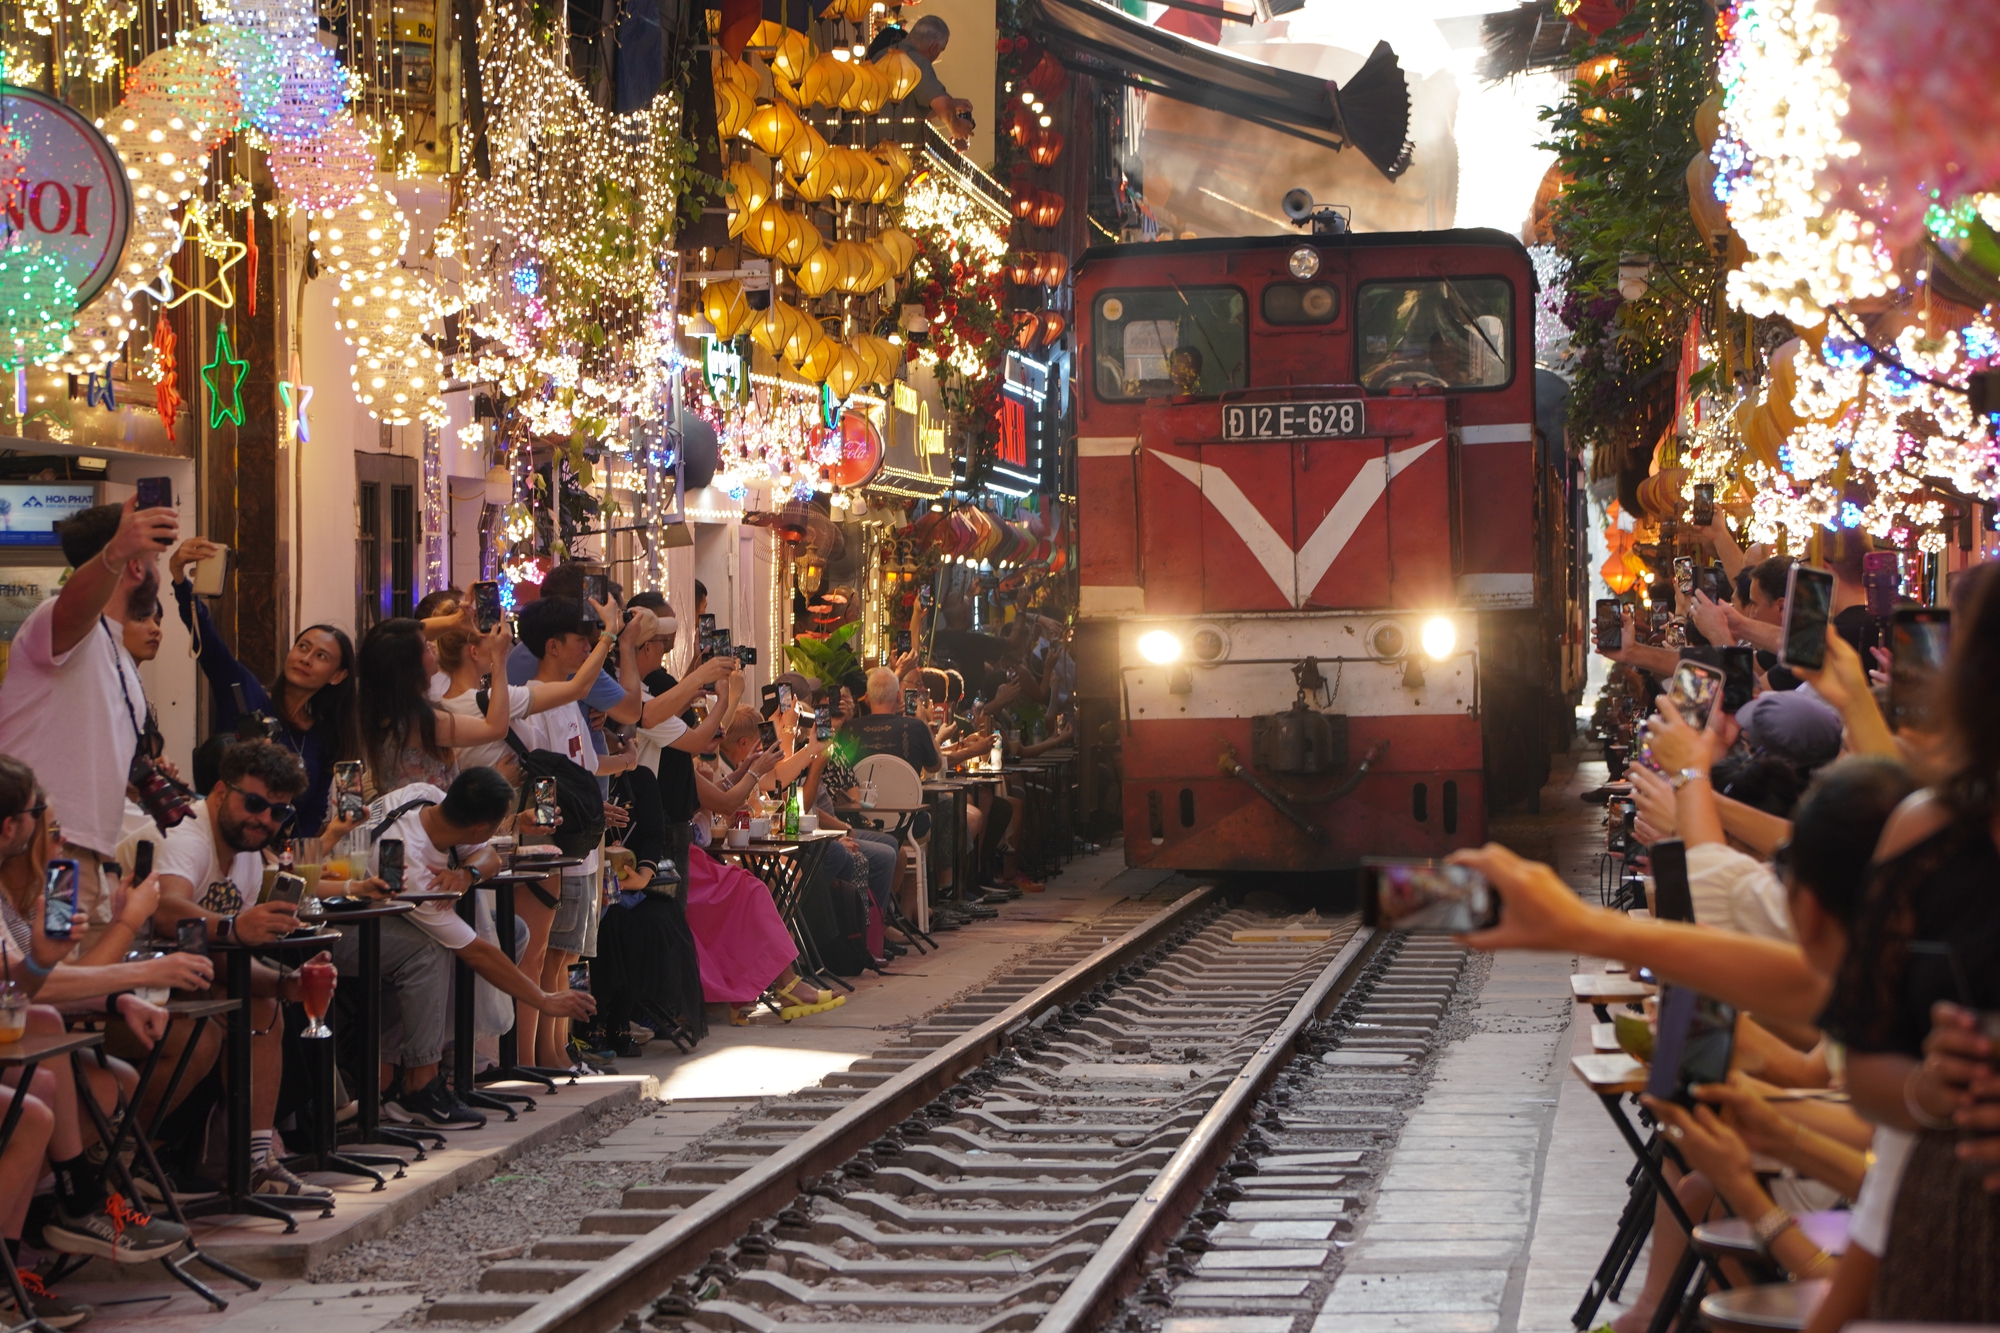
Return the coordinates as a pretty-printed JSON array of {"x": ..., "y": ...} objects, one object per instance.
[
  {"x": 1447, "y": 333},
  {"x": 1162, "y": 342}
]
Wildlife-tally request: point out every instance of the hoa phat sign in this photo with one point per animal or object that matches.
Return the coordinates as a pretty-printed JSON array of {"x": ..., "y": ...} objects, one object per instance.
[{"x": 74, "y": 202}]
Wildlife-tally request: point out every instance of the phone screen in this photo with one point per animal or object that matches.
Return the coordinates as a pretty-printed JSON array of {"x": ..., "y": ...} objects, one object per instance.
[
  {"x": 910, "y": 705},
  {"x": 347, "y": 789},
  {"x": 1694, "y": 688},
  {"x": 902, "y": 641},
  {"x": 546, "y": 807},
  {"x": 155, "y": 492},
  {"x": 1739, "y": 677},
  {"x": 597, "y": 587},
  {"x": 389, "y": 862},
  {"x": 142, "y": 862},
  {"x": 1696, "y": 1036},
  {"x": 59, "y": 898},
  {"x": 1610, "y": 625},
  {"x": 823, "y": 727},
  {"x": 1919, "y": 641},
  {"x": 1881, "y": 579},
  {"x": 1426, "y": 896},
  {"x": 1673, "y": 899},
  {"x": 191, "y": 935},
  {"x": 705, "y": 622},
  {"x": 767, "y": 733},
  {"x": 1702, "y": 512},
  {"x": 486, "y": 610},
  {"x": 784, "y": 698},
  {"x": 1808, "y": 608},
  {"x": 1684, "y": 574}
]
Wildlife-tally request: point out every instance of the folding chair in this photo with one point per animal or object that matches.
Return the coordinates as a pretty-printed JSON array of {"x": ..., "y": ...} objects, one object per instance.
[{"x": 899, "y": 797}]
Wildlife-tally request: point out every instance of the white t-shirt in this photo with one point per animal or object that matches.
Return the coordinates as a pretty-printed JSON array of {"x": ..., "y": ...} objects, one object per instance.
[
  {"x": 423, "y": 861},
  {"x": 520, "y": 698},
  {"x": 67, "y": 719},
  {"x": 1869, "y": 1227},
  {"x": 649, "y": 741},
  {"x": 188, "y": 851},
  {"x": 1732, "y": 891},
  {"x": 562, "y": 731}
]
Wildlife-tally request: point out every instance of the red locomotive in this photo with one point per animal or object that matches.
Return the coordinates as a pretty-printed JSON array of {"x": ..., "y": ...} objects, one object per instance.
[{"x": 1329, "y": 564}]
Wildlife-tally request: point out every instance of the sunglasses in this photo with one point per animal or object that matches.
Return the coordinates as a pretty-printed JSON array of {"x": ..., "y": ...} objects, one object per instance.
[{"x": 280, "y": 811}]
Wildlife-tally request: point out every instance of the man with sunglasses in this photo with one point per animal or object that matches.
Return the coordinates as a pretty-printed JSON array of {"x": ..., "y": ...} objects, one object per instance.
[{"x": 212, "y": 866}]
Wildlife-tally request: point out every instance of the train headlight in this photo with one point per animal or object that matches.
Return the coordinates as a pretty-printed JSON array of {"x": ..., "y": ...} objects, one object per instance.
[
  {"x": 1304, "y": 262},
  {"x": 1160, "y": 647},
  {"x": 1440, "y": 637}
]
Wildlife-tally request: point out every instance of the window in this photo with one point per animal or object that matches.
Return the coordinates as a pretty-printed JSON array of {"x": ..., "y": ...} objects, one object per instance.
[
  {"x": 1301, "y": 303},
  {"x": 385, "y": 538},
  {"x": 1449, "y": 333},
  {"x": 1164, "y": 342}
]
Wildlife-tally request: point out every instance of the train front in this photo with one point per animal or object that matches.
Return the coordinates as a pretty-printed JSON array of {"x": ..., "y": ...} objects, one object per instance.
[{"x": 1306, "y": 483}]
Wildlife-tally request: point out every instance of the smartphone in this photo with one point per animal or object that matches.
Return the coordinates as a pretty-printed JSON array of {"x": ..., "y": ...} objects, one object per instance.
[
  {"x": 1808, "y": 609},
  {"x": 1739, "y": 677},
  {"x": 142, "y": 862},
  {"x": 208, "y": 574},
  {"x": 723, "y": 642},
  {"x": 767, "y": 734},
  {"x": 1694, "y": 687},
  {"x": 1692, "y": 1045},
  {"x": 289, "y": 888},
  {"x": 1881, "y": 580},
  {"x": 767, "y": 700},
  {"x": 909, "y": 705},
  {"x": 1610, "y": 625},
  {"x": 191, "y": 935},
  {"x": 924, "y": 597},
  {"x": 1919, "y": 640},
  {"x": 1715, "y": 582},
  {"x": 823, "y": 726},
  {"x": 59, "y": 897},
  {"x": 543, "y": 796},
  {"x": 347, "y": 790},
  {"x": 486, "y": 610},
  {"x": 1673, "y": 898},
  {"x": 1426, "y": 896},
  {"x": 389, "y": 859},
  {"x": 1702, "y": 512},
  {"x": 785, "y": 701},
  {"x": 155, "y": 492},
  {"x": 1684, "y": 574},
  {"x": 746, "y": 655},
  {"x": 902, "y": 641},
  {"x": 705, "y": 622},
  {"x": 597, "y": 587}
]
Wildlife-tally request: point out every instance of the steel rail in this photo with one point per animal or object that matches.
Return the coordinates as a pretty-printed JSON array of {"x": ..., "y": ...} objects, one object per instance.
[
  {"x": 1114, "y": 1271},
  {"x": 646, "y": 1269}
]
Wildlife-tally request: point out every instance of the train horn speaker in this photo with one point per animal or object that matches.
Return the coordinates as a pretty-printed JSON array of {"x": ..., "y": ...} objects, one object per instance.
[{"x": 1298, "y": 204}]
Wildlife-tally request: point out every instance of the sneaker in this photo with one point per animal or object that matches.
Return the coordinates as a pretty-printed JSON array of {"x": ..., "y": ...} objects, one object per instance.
[
  {"x": 44, "y": 1306},
  {"x": 585, "y": 1062},
  {"x": 187, "y": 1186},
  {"x": 637, "y": 1035},
  {"x": 117, "y": 1231},
  {"x": 279, "y": 1185},
  {"x": 433, "y": 1106}
]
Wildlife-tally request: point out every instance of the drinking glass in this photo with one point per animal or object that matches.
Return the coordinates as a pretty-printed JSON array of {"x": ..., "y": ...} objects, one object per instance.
[
  {"x": 13, "y": 1013},
  {"x": 306, "y": 865},
  {"x": 316, "y": 982}
]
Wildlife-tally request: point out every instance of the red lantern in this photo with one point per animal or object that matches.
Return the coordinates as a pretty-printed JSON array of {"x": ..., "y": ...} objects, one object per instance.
[
  {"x": 1048, "y": 77},
  {"x": 1020, "y": 125},
  {"x": 1045, "y": 147},
  {"x": 1027, "y": 323},
  {"x": 1054, "y": 324},
  {"x": 1048, "y": 208},
  {"x": 1025, "y": 202},
  {"x": 1023, "y": 267},
  {"x": 1051, "y": 268}
]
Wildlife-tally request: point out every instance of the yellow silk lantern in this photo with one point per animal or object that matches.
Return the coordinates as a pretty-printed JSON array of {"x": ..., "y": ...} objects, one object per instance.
[
  {"x": 727, "y": 308},
  {"x": 846, "y": 372},
  {"x": 868, "y": 91},
  {"x": 805, "y": 150},
  {"x": 901, "y": 248},
  {"x": 1711, "y": 219},
  {"x": 768, "y": 230},
  {"x": 1708, "y": 120},
  {"x": 900, "y": 71},
  {"x": 804, "y": 243},
  {"x": 881, "y": 358},
  {"x": 807, "y": 337},
  {"x": 826, "y": 80},
  {"x": 892, "y": 155},
  {"x": 819, "y": 181},
  {"x": 774, "y": 329},
  {"x": 818, "y": 359},
  {"x": 775, "y": 128},
  {"x": 880, "y": 266},
  {"x": 786, "y": 89},
  {"x": 748, "y": 190},
  {"x": 844, "y": 172},
  {"x": 1616, "y": 575},
  {"x": 733, "y": 109},
  {"x": 887, "y": 184},
  {"x": 852, "y": 266},
  {"x": 815, "y": 276},
  {"x": 791, "y": 51}
]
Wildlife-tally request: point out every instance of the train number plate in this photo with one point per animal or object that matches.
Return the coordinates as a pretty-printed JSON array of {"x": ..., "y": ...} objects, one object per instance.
[{"x": 1295, "y": 421}]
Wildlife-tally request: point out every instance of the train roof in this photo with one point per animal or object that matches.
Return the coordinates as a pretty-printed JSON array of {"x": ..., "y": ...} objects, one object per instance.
[{"x": 1349, "y": 240}]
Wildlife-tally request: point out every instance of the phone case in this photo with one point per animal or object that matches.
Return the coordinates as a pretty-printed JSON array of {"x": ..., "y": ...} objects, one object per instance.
[{"x": 209, "y": 574}]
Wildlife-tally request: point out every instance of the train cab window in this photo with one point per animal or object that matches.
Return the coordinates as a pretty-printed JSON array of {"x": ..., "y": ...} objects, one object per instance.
[
  {"x": 1169, "y": 341},
  {"x": 1301, "y": 303},
  {"x": 1443, "y": 334}
]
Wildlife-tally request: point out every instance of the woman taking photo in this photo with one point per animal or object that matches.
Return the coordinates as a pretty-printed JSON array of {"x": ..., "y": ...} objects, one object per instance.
[
  {"x": 312, "y": 696},
  {"x": 406, "y": 738}
]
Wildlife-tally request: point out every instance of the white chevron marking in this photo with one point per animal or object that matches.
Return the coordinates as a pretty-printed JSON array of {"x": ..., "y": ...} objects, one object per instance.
[{"x": 1295, "y": 573}]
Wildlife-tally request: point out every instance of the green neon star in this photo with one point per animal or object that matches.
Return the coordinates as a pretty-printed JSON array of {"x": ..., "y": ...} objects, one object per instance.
[{"x": 224, "y": 355}]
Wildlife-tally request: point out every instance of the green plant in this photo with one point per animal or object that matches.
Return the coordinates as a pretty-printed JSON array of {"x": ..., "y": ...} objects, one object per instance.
[{"x": 827, "y": 659}]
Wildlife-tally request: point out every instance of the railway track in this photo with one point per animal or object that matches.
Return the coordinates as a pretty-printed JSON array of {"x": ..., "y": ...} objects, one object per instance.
[{"x": 1021, "y": 1161}]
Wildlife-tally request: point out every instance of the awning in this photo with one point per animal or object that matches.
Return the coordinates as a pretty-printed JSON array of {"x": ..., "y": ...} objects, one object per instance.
[{"x": 1371, "y": 113}]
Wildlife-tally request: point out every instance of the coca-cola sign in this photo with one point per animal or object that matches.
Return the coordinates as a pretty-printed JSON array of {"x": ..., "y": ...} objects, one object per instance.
[{"x": 74, "y": 201}]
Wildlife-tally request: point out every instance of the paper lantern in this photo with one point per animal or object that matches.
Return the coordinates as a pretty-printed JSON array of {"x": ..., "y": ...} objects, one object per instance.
[
  {"x": 1024, "y": 204},
  {"x": 1024, "y": 326},
  {"x": 774, "y": 127},
  {"x": 1022, "y": 267},
  {"x": 773, "y": 329},
  {"x": 733, "y": 109},
  {"x": 887, "y": 185},
  {"x": 852, "y": 266},
  {"x": 327, "y": 171},
  {"x": 1048, "y": 208},
  {"x": 747, "y": 190},
  {"x": 808, "y": 148},
  {"x": 727, "y": 308},
  {"x": 767, "y": 229},
  {"x": 197, "y": 82},
  {"x": 879, "y": 358},
  {"x": 1045, "y": 147},
  {"x": 819, "y": 358},
  {"x": 803, "y": 245},
  {"x": 37, "y": 306},
  {"x": 257, "y": 61},
  {"x": 1616, "y": 576},
  {"x": 1054, "y": 324},
  {"x": 1020, "y": 125},
  {"x": 806, "y": 340},
  {"x": 1708, "y": 120},
  {"x": 899, "y": 246},
  {"x": 1048, "y": 77},
  {"x": 821, "y": 180},
  {"x": 791, "y": 51},
  {"x": 868, "y": 91},
  {"x": 893, "y": 156},
  {"x": 825, "y": 80},
  {"x": 1711, "y": 219},
  {"x": 1050, "y": 268},
  {"x": 899, "y": 71},
  {"x": 846, "y": 373}
]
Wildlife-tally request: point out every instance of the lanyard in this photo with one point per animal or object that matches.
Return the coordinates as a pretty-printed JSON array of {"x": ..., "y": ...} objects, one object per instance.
[{"x": 118, "y": 665}]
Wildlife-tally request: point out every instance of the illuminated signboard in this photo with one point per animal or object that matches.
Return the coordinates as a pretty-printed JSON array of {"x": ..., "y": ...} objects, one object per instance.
[{"x": 29, "y": 511}]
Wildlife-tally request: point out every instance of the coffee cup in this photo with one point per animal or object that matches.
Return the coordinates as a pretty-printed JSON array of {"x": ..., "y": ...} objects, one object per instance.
[
  {"x": 760, "y": 828},
  {"x": 739, "y": 837},
  {"x": 809, "y": 823}
]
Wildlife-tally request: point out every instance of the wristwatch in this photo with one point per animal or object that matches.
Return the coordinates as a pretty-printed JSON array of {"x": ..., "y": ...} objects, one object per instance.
[{"x": 1685, "y": 776}]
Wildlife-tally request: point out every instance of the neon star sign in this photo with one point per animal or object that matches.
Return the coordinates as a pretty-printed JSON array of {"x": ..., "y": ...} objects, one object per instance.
[
  {"x": 296, "y": 397},
  {"x": 211, "y": 375}
]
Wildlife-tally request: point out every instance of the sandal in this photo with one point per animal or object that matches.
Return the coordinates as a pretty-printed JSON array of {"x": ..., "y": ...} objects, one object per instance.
[
  {"x": 792, "y": 1011},
  {"x": 739, "y": 1015},
  {"x": 799, "y": 996}
]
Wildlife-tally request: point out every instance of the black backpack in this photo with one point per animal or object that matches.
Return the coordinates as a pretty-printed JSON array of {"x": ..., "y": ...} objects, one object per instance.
[
  {"x": 836, "y": 917},
  {"x": 577, "y": 793}
]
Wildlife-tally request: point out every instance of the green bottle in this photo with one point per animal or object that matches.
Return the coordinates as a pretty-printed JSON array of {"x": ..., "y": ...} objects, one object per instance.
[{"x": 794, "y": 800}]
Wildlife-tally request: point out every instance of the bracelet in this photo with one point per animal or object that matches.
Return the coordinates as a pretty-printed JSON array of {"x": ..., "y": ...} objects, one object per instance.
[
  {"x": 111, "y": 1001},
  {"x": 1924, "y": 1119},
  {"x": 34, "y": 968},
  {"x": 1771, "y": 1226},
  {"x": 104, "y": 556},
  {"x": 225, "y": 929},
  {"x": 1821, "y": 1258}
]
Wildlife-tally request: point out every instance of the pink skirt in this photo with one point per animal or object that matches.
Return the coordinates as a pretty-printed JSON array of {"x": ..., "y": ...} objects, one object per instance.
[{"x": 738, "y": 935}]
